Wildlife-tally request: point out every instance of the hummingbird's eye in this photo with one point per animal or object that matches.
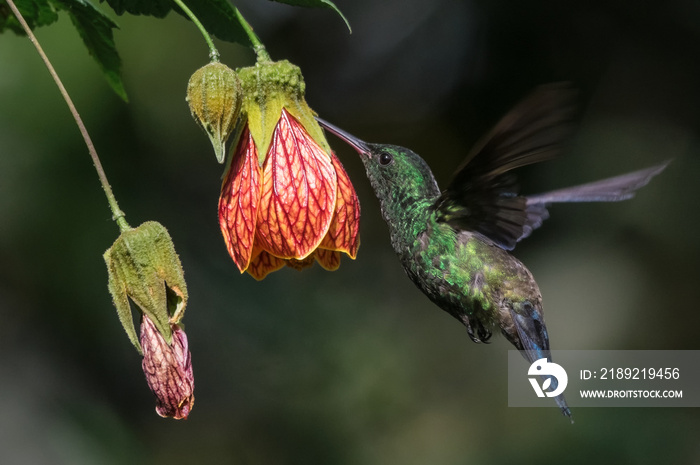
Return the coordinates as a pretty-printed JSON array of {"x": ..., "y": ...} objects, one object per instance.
[{"x": 385, "y": 158}]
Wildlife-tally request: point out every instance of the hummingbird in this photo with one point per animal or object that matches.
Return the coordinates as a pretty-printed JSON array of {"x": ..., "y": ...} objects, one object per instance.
[{"x": 454, "y": 244}]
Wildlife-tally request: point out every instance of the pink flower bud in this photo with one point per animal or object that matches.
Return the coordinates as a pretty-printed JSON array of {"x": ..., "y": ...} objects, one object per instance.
[{"x": 168, "y": 370}]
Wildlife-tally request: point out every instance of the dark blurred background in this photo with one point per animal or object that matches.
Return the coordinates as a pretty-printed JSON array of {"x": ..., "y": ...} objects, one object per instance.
[{"x": 355, "y": 366}]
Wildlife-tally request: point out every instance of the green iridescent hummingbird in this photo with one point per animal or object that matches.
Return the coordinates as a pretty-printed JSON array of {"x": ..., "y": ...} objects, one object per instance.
[{"x": 454, "y": 244}]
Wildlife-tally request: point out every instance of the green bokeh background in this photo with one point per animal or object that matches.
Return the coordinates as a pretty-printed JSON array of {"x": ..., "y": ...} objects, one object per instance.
[{"x": 355, "y": 366}]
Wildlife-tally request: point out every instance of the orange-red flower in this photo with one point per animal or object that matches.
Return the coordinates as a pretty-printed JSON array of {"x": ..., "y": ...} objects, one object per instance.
[
  {"x": 299, "y": 206},
  {"x": 285, "y": 199}
]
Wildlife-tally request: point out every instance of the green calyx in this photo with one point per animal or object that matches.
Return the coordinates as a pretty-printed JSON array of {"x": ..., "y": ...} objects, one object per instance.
[
  {"x": 214, "y": 97},
  {"x": 267, "y": 88},
  {"x": 143, "y": 267}
]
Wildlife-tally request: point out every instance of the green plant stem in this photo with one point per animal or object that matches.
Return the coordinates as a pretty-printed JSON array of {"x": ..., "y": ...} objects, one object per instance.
[
  {"x": 213, "y": 52},
  {"x": 258, "y": 46},
  {"x": 117, "y": 214}
]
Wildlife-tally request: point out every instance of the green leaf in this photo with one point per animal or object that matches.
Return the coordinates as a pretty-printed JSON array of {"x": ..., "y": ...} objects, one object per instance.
[
  {"x": 157, "y": 8},
  {"x": 219, "y": 19},
  {"x": 317, "y": 4},
  {"x": 218, "y": 16},
  {"x": 96, "y": 31},
  {"x": 35, "y": 12}
]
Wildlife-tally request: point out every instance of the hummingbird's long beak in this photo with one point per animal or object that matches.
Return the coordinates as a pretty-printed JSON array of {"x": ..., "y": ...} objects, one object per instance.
[{"x": 361, "y": 146}]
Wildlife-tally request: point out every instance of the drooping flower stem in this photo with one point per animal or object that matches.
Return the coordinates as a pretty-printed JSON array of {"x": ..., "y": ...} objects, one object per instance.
[
  {"x": 258, "y": 46},
  {"x": 117, "y": 214},
  {"x": 213, "y": 52}
]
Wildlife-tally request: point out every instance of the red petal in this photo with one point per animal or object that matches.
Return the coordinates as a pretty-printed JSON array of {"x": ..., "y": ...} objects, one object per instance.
[
  {"x": 344, "y": 231},
  {"x": 328, "y": 259},
  {"x": 263, "y": 263},
  {"x": 298, "y": 192},
  {"x": 238, "y": 203}
]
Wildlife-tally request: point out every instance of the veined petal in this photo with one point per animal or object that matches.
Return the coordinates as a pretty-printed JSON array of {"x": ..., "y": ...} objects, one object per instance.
[
  {"x": 344, "y": 231},
  {"x": 299, "y": 192},
  {"x": 168, "y": 370},
  {"x": 239, "y": 200},
  {"x": 328, "y": 259},
  {"x": 263, "y": 263}
]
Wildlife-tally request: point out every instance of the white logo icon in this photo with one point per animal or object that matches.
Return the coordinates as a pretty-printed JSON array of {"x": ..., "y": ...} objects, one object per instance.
[{"x": 542, "y": 367}]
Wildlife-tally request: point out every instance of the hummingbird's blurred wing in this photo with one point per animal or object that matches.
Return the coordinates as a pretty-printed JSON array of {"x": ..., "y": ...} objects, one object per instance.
[
  {"x": 613, "y": 189},
  {"x": 483, "y": 195}
]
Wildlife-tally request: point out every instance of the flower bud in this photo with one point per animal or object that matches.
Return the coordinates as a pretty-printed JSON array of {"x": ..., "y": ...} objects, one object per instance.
[
  {"x": 168, "y": 370},
  {"x": 143, "y": 267},
  {"x": 214, "y": 95}
]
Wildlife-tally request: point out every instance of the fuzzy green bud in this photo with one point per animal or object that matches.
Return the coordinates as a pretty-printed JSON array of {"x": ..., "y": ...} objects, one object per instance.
[
  {"x": 214, "y": 95},
  {"x": 144, "y": 268}
]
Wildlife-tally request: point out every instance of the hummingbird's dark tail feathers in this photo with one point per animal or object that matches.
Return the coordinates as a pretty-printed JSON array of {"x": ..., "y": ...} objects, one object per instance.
[
  {"x": 533, "y": 342},
  {"x": 530, "y": 331},
  {"x": 612, "y": 189},
  {"x": 565, "y": 410}
]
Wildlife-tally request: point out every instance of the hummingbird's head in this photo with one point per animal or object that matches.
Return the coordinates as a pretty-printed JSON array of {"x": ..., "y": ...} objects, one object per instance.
[{"x": 396, "y": 173}]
